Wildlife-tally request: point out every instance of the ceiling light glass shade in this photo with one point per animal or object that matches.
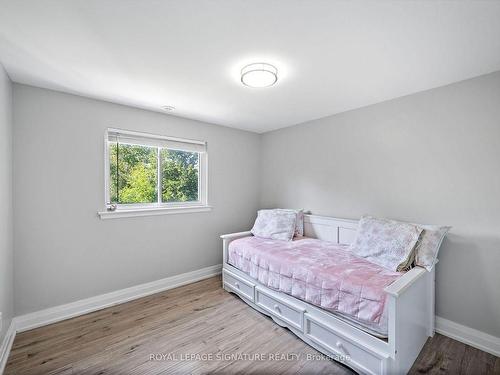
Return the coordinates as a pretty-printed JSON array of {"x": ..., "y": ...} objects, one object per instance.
[{"x": 259, "y": 75}]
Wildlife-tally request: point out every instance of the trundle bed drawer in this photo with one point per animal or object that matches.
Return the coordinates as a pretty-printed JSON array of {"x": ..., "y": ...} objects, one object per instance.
[
  {"x": 290, "y": 314},
  {"x": 352, "y": 354},
  {"x": 239, "y": 285}
]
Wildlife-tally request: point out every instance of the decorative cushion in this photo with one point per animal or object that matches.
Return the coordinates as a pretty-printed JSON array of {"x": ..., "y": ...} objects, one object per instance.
[
  {"x": 299, "y": 224},
  {"x": 275, "y": 224},
  {"x": 388, "y": 243},
  {"x": 427, "y": 247}
]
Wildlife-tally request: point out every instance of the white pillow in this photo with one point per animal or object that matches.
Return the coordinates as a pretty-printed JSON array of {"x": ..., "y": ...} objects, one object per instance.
[
  {"x": 275, "y": 224},
  {"x": 299, "y": 224},
  {"x": 427, "y": 247},
  {"x": 388, "y": 243}
]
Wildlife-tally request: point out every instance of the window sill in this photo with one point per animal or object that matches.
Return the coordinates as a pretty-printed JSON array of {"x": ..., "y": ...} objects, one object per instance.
[{"x": 134, "y": 212}]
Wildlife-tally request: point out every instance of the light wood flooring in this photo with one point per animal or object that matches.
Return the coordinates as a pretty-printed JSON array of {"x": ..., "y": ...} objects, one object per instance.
[{"x": 199, "y": 328}]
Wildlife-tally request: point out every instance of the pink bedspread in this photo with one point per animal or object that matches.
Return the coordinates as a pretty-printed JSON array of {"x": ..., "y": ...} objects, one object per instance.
[{"x": 322, "y": 273}]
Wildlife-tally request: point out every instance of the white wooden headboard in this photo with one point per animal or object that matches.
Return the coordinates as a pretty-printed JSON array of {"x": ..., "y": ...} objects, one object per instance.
[{"x": 330, "y": 228}]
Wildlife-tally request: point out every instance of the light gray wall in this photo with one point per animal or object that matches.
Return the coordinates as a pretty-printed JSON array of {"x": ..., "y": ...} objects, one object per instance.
[
  {"x": 6, "y": 240},
  {"x": 64, "y": 252},
  {"x": 431, "y": 157}
]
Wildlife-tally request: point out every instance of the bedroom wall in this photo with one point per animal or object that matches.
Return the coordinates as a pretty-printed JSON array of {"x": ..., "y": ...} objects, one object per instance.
[
  {"x": 6, "y": 238},
  {"x": 64, "y": 252},
  {"x": 431, "y": 157}
]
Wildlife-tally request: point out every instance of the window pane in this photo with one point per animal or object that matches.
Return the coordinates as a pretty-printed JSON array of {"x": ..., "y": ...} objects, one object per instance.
[
  {"x": 133, "y": 172},
  {"x": 179, "y": 175}
]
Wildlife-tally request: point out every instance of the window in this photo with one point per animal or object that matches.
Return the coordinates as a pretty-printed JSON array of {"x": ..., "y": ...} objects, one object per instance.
[{"x": 152, "y": 173}]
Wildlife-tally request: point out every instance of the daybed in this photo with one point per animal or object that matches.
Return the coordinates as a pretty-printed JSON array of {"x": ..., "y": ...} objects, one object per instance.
[{"x": 379, "y": 330}]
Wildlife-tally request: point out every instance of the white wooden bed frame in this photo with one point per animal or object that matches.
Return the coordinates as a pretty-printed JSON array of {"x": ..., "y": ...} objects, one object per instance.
[{"x": 410, "y": 310}]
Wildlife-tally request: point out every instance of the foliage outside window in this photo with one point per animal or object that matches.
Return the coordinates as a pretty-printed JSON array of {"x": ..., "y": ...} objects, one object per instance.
[
  {"x": 145, "y": 172},
  {"x": 179, "y": 178}
]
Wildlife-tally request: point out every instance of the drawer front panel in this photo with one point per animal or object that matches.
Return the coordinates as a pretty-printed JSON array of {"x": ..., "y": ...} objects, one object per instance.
[
  {"x": 292, "y": 315},
  {"x": 352, "y": 354},
  {"x": 239, "y": 285}
]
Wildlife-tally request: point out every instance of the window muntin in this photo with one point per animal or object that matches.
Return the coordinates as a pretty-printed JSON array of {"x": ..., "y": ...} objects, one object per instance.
[{"x": 145, "y": 170}]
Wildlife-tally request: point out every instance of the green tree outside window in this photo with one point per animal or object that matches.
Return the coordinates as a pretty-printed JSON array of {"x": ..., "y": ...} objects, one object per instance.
[{"x": 134, "y": 174}]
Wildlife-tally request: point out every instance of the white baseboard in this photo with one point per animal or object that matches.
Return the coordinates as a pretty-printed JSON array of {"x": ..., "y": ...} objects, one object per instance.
[
  {"x": 73, "y": 309},
  {"x": 6, "y": 345},
  {"x": 469, "y": 336}
]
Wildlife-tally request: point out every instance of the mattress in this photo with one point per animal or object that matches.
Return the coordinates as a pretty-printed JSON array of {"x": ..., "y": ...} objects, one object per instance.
[{"x": 321, "y": 273}]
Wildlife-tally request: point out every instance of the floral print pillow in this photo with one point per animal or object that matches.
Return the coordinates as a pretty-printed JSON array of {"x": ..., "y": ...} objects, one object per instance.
[
  {"x": 388, "y": 243},
  {"x": 428, "y": 246},
  {"x": 275, "y": 224},
  {"x": 299, "y": 224}
]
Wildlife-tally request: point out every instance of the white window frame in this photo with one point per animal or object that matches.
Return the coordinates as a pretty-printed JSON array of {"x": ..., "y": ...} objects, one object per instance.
[{"x": 157, "y": 208}]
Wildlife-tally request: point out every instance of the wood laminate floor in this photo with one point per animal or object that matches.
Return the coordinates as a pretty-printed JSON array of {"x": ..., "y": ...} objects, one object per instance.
[{"x": 199, "y": 328}]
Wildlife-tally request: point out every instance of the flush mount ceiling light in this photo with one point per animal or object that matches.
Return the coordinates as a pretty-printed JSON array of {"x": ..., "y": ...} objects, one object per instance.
[{"x": 259, "y": 75}]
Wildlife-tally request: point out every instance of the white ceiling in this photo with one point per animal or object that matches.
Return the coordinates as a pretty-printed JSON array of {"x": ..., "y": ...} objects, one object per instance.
[{"x": 332, "y": 56}]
